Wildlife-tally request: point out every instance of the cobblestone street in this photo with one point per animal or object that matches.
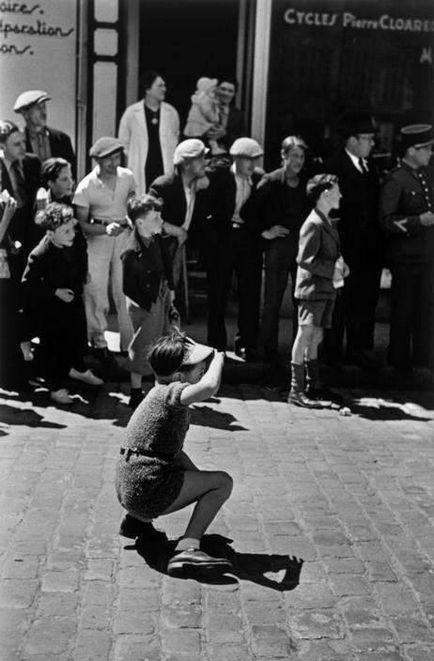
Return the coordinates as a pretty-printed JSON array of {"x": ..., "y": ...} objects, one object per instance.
[{"x": 330, "y": 530}]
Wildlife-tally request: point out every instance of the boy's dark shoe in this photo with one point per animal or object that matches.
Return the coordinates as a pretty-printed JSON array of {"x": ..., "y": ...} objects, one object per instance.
[
  {"x": 111, "y": 369},
  {"x": 320, "y": 395},
  {"x": 133, "y": 528},
  {"x": 301, "y": 399},
  {"x": 136, "y": 397},
  {"x": 273, "y": 357},
  {"x": 197, "y": 559},
  {"x": 362, "y": 360}
]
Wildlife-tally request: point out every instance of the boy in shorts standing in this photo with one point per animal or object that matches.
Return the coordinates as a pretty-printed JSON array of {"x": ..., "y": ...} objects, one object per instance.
[{"x": 320, "y": 272}]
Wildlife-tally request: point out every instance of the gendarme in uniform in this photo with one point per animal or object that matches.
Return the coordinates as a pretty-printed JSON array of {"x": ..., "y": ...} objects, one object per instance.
[{"x": 407, "y": 216}]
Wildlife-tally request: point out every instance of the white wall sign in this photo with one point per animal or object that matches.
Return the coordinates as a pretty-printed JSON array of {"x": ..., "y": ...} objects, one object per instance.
[{"x": 38, "y": 51}]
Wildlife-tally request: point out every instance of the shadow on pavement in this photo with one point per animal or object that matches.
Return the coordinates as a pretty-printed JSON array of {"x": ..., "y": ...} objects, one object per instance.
[
  {"x": 380, "y": 411},
  {"x": 251, "y": 567},
  {"x": 17, "y": 416},
  {"x": 205, "y": 416}
]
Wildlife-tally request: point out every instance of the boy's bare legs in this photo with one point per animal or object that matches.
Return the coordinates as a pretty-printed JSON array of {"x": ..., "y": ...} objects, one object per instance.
[{"x": 209, "y": 489}]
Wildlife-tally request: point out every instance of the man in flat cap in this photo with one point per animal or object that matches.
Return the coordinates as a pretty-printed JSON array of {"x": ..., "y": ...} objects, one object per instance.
[
  {"x": 42, "y": 140},
  {"x": 100, "y": 202},
  {"x": 407, "y": 216},
  {"x": 182, "y": 194},
  {"x": 361, "y": 242},
  {"x": 230, "y": 243}
]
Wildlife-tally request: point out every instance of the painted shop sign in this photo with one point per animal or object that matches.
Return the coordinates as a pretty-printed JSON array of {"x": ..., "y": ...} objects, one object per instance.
[
  {"x": 28, "y": 20},
  {"x": 295, "y": 16},
  {"x": 38, "y": 51}
]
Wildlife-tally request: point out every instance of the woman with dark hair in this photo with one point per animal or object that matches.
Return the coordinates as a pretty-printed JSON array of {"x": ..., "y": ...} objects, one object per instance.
[{"x": 149, "y": 131}]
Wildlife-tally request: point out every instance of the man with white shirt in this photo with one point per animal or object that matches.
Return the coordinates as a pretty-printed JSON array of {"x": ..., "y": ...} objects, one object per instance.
[
  {"x": 361, "y": 242},
  {"x": 100, "y": 202}
]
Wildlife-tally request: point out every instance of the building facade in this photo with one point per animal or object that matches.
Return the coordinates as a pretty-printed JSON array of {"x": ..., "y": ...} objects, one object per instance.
[{"x": 299, "y": 63}]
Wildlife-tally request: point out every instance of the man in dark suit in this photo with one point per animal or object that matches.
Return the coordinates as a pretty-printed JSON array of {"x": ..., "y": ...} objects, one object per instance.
[
  {"x": 183, "y": 197},
  {"x": 20, "y": 176},
  {"x": 230, "y": 242},
  {"x": 361, "y": 242},
  {"x": 42, "y": 140}
]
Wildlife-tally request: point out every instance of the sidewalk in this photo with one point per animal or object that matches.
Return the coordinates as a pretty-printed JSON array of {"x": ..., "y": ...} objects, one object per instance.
[{"x": 330, "y": 529}]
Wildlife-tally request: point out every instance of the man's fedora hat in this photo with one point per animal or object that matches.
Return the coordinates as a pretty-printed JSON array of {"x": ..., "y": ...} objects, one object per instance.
[{"x": 356, "y": 122}]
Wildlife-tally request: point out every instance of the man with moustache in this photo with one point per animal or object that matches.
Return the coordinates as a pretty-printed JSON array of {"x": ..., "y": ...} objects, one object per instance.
[
  {"x": 407, "y": 216},
  {"x": 44, "y": 141}
]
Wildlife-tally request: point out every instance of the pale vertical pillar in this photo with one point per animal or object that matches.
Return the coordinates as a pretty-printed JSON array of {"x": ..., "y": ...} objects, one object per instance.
[
  {"x": 82, "y": 86},
  {"x": 133, "y": 50},
  {"x": 241, "y": 49},
  {"x": 260, "y": 68}
]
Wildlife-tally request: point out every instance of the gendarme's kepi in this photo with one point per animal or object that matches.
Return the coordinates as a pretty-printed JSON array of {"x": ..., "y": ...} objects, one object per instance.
[
  {"x": 188, "y": 149},
  {"x": 105, "y": 146},
  {"x": 29, "y": 98},
  {"x": 416, "y": 135},
  {"x": 246, "y": 148}
]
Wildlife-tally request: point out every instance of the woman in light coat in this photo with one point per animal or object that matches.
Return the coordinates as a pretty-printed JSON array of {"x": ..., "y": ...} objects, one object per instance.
[{"x": 149, "y": 130}]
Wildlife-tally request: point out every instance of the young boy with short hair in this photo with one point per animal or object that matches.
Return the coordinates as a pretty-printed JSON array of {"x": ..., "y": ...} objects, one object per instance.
[
  {"x": 154, "y": 475},
  {"x": 53, "y": 306}
]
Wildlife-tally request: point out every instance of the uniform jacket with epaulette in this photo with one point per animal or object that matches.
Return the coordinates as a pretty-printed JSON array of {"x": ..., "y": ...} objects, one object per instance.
[{"x": 404, "y": 197}]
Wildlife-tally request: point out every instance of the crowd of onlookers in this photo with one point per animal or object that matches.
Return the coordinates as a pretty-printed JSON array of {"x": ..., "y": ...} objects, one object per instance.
[{"x": 160, "y": 192}]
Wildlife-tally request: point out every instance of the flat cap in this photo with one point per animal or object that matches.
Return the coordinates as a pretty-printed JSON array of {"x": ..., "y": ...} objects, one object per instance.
[
  {"x": 29, "y": 98},
  {"x": 246, "y": 147},
  {"x": 105, "y": 146},
  {"x": 187, "y": 149},
  {"x": 416, "y": 135}
]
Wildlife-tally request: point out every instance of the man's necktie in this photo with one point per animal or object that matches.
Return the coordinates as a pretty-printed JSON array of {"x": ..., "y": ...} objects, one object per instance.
[
  {"x": 20, "y": 184},
  {"x": 363, "y": 166}
]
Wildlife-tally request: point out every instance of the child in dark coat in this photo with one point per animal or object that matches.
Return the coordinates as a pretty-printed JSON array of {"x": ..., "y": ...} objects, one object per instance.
[
  {"x": 148, "y": 287},
  {"x": 154, "y": 475},
  {"x": 52, "y": 288}
]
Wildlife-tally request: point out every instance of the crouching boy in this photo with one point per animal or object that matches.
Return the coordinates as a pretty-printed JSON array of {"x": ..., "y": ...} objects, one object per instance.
[{"x": 154, "y": 475}]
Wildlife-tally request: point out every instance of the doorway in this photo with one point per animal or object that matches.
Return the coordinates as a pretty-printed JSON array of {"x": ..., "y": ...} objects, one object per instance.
[{"x": 186, "y": 40}]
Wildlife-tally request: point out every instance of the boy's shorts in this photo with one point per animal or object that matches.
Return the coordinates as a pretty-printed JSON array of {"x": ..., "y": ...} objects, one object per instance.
[{"x": 316, "y": 313}]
